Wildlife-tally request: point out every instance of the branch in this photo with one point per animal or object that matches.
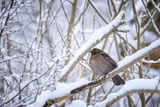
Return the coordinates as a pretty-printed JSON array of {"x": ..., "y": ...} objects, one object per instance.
[
  {"x": 131, "y": 92},
  {"x": 124, "y": 64},
  {"x": 135, "y": 86}
]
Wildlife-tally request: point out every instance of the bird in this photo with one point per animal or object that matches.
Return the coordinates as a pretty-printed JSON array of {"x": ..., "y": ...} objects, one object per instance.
[{"x": 101, "y": 63}]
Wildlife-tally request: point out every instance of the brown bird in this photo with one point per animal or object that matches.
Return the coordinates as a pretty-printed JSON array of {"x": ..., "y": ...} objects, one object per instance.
[{"x": 101, "y": 63}]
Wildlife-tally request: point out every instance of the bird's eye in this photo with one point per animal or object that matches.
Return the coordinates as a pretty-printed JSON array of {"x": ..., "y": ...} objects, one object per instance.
[{"x": 95, "y": 52}]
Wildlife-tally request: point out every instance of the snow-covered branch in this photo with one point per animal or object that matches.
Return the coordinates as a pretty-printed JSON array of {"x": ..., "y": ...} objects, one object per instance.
[
  {"x": 156, "y": 6},
  {"x": 131, "y": 87},
  {"x": 150, "y": 16},
  {"x": 151, "y": 61},
  {"x": 96, "y": 37}
]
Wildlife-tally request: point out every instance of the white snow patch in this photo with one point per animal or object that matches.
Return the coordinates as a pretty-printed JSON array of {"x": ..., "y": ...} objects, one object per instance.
[{"x": 62, "y": 89}]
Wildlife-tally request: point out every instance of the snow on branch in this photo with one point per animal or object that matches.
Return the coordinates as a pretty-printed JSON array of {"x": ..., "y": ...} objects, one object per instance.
[
  {"x": 151, "y": 61},
  {"x": 143, "y": 52},
  {"x": 61, "y": 93},
  {"x": 157, "y": 7},
  {"x": 94, "y": 39},
  {"x": 150, "y": 16},
  {"x": 132, "y": 86}
]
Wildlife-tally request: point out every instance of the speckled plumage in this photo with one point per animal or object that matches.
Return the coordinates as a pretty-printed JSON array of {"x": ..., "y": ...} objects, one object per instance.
[{"x": 101, "y": 63}]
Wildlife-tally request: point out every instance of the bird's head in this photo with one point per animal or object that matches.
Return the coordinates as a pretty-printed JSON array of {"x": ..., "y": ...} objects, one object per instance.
[{"x": 95, "y": 51}]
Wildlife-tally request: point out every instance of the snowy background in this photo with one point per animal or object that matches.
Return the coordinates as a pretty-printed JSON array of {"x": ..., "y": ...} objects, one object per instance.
[{"x": 45, "y": 44}]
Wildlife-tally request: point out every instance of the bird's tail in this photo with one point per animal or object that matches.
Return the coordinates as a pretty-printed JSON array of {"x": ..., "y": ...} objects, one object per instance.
[{"x": 117, "y": 80}]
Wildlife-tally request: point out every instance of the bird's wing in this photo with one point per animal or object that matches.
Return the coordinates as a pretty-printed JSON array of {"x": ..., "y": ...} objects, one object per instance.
[{"x": 109, "y": 59}]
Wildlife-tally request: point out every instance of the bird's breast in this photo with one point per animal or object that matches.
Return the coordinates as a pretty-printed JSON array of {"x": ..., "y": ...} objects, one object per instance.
[{"x": 97, "y": 66}]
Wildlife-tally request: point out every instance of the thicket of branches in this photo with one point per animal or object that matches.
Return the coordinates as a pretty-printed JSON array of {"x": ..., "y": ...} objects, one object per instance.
[{"x": 39, "y": 41}]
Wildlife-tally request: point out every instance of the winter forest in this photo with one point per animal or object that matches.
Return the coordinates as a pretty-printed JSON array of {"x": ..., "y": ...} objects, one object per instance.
[{"x": 45, "y": 49}]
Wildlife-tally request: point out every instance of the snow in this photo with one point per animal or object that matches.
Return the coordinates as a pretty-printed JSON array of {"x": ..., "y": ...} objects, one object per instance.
[
  {"x": 135, "y": 84},
  {"x": 61, "y": 91},
  {"x": 96, "y": 36},
  {"x": 151, "y": 61}
]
